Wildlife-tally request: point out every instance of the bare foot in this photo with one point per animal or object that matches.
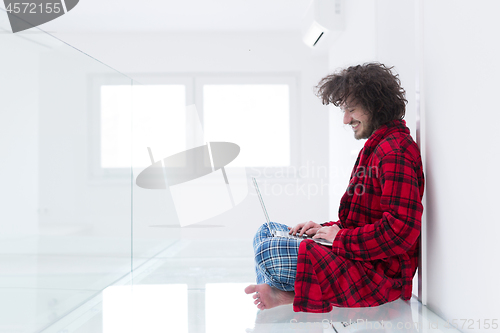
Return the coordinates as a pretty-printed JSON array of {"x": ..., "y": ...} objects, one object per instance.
[{"x": 267, "y": 297}]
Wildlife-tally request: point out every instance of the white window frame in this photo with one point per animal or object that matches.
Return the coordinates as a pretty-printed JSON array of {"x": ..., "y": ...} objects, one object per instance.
[
  {"x": 290, "y": 79},
  {"x": 194, "y": 95}
]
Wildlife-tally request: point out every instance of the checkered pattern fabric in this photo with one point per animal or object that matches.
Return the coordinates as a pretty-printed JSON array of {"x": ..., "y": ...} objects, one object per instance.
[
  {"x": 275, "y": 257},
  {"x": 375, "y": 254}
]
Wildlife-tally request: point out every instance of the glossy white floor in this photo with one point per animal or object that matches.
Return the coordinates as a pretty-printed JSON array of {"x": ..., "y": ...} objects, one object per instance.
[{"x": 192, "y": 286}]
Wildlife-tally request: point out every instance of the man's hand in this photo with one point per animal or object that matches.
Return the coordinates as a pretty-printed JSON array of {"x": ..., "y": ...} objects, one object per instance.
[
  {"x": 309, "y": 228},
  {"x": 327, "y": 233}
]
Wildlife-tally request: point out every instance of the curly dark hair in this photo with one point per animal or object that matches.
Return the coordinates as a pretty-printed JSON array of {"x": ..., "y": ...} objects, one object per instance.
[{"x": 372, "y": 85}]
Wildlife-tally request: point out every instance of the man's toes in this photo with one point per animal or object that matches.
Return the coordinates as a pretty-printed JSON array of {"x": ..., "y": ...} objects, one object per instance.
[{"x": 250, "y": 289}]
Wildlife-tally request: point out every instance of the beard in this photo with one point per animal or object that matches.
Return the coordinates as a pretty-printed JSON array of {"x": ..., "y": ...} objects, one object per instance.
[{"x": 366, "y": 132}]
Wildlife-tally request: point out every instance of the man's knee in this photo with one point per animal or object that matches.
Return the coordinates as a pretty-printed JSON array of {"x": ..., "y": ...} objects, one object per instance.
[
  {"x": 262, "y": 253},
  {"x": 263, "y": 229},
  {"x": 262, "y": 233}
]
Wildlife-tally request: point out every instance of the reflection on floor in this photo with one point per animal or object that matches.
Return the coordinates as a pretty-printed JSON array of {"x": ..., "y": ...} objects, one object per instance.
[
  {"x": 223, "y": 307},
  {"x": 44, "y": 277},
  {"x": 192, "y": 286}
]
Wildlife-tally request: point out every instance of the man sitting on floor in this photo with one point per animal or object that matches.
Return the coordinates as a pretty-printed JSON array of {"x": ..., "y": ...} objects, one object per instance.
[{"x": 375, "y": 248}]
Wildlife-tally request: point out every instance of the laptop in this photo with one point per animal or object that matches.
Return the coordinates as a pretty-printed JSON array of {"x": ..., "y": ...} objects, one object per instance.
[{"x": 281, "y": 233}]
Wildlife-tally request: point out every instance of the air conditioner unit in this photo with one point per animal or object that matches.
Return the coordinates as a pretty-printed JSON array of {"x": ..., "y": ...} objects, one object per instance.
[{"x": 323, "y": 18}]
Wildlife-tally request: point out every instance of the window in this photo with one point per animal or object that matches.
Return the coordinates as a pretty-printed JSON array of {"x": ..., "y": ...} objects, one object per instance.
[
  {"x": 158, "y": 121},
  {"x": 255, "y": 116},
  {"x": 258, "y": 113}
]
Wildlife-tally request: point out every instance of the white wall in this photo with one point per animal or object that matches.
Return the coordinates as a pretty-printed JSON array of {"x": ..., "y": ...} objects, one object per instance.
[
  {"x": 461, "y": 70},
  {"x": 18, "y": 137},
  {"x": 396, "y": 47},
  {"x": 67, "y": 196},
  {"x": 18, "y": 172},
  {"x": 460, "y": 75},
  {"x": 355, "y": 45},
  {"x": 226, "y": 53}
]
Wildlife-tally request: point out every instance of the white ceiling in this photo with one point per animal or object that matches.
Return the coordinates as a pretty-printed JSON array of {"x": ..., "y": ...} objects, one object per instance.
[{"x": 180, "y": 15}]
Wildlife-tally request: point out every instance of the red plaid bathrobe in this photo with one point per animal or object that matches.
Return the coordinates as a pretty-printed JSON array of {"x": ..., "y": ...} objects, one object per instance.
[{"x": 375, "y": 254}]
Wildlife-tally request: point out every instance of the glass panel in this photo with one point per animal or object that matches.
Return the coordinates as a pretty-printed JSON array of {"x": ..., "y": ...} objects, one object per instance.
[
  {"x": 65, "y": 236},
  {"x": 159, "y": 123},
  {"x": 255, "y": 116}
]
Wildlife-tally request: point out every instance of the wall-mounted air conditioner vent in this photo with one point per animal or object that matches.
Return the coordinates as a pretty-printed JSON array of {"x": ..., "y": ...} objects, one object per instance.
[{"x": 323, "y": 18}]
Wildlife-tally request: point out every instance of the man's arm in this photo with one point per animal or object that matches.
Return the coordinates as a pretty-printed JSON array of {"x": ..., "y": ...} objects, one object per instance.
[{"x": 398, "y": 229}]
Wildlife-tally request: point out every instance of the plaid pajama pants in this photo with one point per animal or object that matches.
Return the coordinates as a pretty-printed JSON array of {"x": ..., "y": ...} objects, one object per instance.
[{"x": 275, "y": 258}]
